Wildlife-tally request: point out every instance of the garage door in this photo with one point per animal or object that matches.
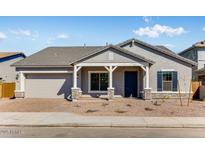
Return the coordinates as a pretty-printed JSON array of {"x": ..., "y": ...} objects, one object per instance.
[{"x": 48, "y": 85}]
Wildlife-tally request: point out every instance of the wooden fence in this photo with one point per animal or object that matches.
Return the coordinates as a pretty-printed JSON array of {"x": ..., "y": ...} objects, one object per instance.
[
  {"x": 195, "y": 89},
  {"x": 7, "y": 90}
]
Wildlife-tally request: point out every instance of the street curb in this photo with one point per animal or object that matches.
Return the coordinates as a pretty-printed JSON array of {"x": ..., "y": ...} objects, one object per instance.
[{"x": 75, "y": 125}]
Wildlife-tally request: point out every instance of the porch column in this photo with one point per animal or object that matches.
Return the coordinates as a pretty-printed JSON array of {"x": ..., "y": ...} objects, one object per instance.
[
  {"x": 147, "y": 77},
  {"x": 75, "y": 91},
  {"x": 20, "y": 91},
  {"x": 147, "y": 89},
  {"x": 110, "y": 89},
  {"x": 110, "y": 77},
  {"x": 75, "y": 77},
  {"x": 22, "y": 81}
]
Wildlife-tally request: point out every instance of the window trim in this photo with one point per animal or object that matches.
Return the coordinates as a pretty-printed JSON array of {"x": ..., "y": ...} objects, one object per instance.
[
  {"x": 171, "y": 81},
  {"x": 89, "y": 82}
]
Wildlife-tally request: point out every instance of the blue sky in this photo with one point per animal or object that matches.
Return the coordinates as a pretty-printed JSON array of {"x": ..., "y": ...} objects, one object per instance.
[{"x": 31, "y": 34}]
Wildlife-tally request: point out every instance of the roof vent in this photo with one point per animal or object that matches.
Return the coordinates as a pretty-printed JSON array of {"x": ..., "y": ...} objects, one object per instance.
[
  {"x": 106, "y": 43},
  {"x": 84, "y": 45},
  {"x": 133, "y": 42}
]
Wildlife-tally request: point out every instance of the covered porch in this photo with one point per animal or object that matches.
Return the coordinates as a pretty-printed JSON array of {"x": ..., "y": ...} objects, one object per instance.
[{"x": 110, "y": 80}]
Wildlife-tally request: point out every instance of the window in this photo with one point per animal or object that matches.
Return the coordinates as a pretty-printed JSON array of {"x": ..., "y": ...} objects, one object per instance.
[
  {"x": 167, "y": 81},
  {"x": 98, "y": 81}
]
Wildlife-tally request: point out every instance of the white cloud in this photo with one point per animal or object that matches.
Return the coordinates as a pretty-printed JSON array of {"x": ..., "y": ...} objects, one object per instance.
[
  {"x": 62, "y": 36},
  {"x": 203, "y": 29},
  {"x": 158, "y": 29},
  {"x": 25, "y": 33},
  {"x": 2, "y": 36},
  {"x": 58, "y": 36},
  {"x": 146, "y": 19}
]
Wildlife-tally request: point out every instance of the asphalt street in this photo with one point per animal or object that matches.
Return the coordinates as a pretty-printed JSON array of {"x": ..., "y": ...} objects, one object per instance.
[{"x": 99, "y": 132}]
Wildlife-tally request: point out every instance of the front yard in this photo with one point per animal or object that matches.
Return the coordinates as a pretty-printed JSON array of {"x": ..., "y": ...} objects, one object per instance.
[{"x": 98, "y": 107}]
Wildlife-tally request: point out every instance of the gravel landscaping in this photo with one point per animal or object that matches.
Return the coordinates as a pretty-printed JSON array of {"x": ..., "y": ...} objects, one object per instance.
[{"x": 99, "y": 107}]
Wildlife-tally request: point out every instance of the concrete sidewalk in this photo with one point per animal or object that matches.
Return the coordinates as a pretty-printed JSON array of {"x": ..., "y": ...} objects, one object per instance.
[{"x": 65, "y": 119}]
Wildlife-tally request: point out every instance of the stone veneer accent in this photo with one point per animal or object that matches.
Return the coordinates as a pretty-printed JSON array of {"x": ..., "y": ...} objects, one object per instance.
[
  {"x": 161, "y": 95},
  {"x": 19, "y": 94},
  {"x": 110, "y": 93},
  {"x": 147, "y": 94},
  {"x": 75, "y": 93}
]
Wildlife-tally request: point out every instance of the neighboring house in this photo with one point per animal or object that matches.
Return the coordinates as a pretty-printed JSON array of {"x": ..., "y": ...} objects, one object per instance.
[
  {"x": 8, "y": 73},
  {"x": 197, "y": 53},
  {"x": 130, "y": 69}
]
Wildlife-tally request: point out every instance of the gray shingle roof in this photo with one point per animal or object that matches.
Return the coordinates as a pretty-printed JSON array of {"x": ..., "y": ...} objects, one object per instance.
[
  {"x": 57, "y": 56},
  {"x": 172, "y": 54},
  {"x": 65, "y": 56},
  {"x": 164, "y": 48}
]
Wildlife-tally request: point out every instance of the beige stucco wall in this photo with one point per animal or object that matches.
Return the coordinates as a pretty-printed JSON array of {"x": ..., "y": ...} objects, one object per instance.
[
  {"x": 163, "y": 61},
  {"x": 7, "y": 73}
]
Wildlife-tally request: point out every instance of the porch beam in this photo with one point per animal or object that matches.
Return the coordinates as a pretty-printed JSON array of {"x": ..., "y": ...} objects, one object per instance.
[
  {"x": 109, "y": 64},
  {"x": 78, "y": 68},
  {"x": 107, "y": 68},
  {"x": 110, "y": 69},
  {"x": 114, "y": 68},
  {"x": 143, "y": 68}
]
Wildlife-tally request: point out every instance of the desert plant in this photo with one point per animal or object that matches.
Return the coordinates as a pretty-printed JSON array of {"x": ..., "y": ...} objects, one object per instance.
[
  {"x": 156, "y": 103},
  {"x": 148, "y": 109},
  {"x": 105, "y": 104},
  {"x": 129, "y": 105},
  {"x": 164, "y": 98},
  {"x": 120, "y": 111},
  {"x": 76, "y": 105},
  {"x": 91, "y": 111}
]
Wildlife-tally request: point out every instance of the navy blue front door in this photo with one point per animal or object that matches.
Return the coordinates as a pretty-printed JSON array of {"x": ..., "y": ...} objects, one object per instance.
[{"x": 131, "y": 84}]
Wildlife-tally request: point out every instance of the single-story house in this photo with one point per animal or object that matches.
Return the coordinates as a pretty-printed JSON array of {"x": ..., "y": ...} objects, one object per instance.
[
  {"x": 8, "y": 73},
  {"x": 129, "y": 69}
]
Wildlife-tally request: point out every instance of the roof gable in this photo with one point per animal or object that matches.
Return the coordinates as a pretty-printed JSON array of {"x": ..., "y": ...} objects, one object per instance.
[
  {"x": 160, "y": 50},
  {"x": 112, "y": 48}
]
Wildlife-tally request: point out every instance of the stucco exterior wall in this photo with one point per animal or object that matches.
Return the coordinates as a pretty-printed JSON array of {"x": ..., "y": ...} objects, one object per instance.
[
  {"x": 8, "y": 73},
  {"x": 201, "y": 58},
  {"x": 163, "y": 61}
]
